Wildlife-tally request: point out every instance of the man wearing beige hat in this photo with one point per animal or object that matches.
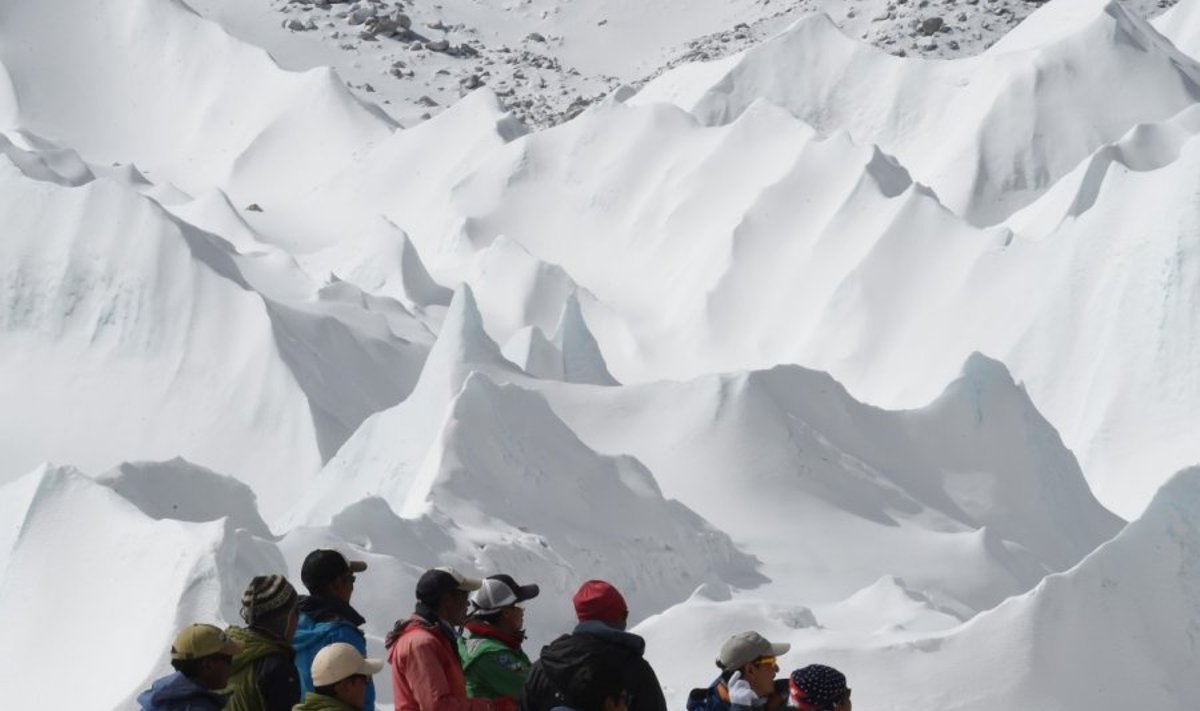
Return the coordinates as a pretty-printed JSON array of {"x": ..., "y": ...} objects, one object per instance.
[
  {"x": 340, "y": 675},
  {"x": 202, "y": 656},
  {"x": 747, "y": 681},
  {"x": 326, "y": 615}
]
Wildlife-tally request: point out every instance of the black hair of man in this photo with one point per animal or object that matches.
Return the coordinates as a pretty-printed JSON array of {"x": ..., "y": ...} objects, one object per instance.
[
  {"x": 592, "y": 685},
  {"x": 188, "y": 667}
]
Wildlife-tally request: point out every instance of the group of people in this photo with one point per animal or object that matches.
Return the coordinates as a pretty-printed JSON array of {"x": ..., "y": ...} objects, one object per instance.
[{"x": 460, "y": 650}]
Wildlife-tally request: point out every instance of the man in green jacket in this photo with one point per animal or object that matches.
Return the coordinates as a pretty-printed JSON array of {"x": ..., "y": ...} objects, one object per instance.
[
  {"x": 490, "y": 648},
  {"x": 264, "y": 677},
  {"x": 340, "y": 676}
]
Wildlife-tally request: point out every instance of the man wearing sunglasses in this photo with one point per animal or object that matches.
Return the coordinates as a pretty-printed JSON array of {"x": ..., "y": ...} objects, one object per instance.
[
  {"x": 326, "y": 616},
  {"x": 490, "y": 648},
  {"x": 747, "y": 681}
]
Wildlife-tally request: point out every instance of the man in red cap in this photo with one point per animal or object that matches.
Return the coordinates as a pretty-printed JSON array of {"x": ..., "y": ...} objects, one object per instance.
[{"x": 599, "y": 639}]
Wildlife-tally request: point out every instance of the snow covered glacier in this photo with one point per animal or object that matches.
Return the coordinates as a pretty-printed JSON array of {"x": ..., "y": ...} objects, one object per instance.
[{"x": 859, "y": 350}]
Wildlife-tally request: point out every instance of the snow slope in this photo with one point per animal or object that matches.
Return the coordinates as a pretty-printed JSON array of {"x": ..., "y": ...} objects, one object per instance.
[
  {"x": 480, "y": 460},
  {"x": 614, "y": 348},
  {"x": 800, "y": 469},
  {"x": 1115, "y": 631},
  {"x": 696, "y": 255},
  {"x": 1181, "y": 25},
  {"x": 549, "y": 60},
  {"x": 989, "y": 133},
  {"x": 114, "y": 572},
  {"x": 115, "y": 312},
  {"x": 832, "y": 494},
  {"x": 180, "y": 98}
]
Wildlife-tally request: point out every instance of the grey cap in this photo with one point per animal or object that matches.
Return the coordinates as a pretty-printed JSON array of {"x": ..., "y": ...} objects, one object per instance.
[{"x": 745, "y": 647}]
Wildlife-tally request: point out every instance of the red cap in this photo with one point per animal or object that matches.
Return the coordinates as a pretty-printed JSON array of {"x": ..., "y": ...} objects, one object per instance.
[{"x": 597, "y": 600}]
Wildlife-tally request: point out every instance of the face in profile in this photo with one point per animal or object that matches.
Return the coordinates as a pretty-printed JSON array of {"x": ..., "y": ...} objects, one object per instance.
[
  {"x": 456, "y": 607},
  {"x": 760, "y": 674}
]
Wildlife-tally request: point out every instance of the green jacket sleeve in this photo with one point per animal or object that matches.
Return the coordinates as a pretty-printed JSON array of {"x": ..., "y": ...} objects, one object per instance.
[{"x": 497, "y": 673}]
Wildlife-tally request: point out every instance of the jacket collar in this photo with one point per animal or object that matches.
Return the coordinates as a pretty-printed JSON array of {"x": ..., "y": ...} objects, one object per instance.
[
  {"x": 427, "y": 617},
  {"x": 324, "y": 609},
  {"x": 483, "y": 629},
  {"x": 606, "y": 631}
]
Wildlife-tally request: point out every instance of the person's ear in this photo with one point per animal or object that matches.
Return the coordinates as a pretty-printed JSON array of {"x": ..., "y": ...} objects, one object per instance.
[{"x": 343, "y": 687}]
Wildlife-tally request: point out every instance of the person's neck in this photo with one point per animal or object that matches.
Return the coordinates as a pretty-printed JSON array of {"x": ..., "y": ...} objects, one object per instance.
[{"x": 206, "y": 682}]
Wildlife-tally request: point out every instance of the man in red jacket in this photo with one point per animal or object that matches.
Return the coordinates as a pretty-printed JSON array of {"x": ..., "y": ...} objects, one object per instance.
[{"x": 427, "y": 674}]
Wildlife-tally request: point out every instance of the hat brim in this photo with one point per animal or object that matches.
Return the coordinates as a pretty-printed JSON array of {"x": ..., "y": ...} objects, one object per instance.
[
  {"x": 357, "y": 566},
  {"x": 371, "y": 667},
  {"x": 469, "y": 584},
  {"x": 779, "y": 649},
  {"x": 527, "y": 592}
]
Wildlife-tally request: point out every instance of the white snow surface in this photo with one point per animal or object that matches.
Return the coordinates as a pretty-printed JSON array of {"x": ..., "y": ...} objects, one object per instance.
[{"x": 857, "y": 349}]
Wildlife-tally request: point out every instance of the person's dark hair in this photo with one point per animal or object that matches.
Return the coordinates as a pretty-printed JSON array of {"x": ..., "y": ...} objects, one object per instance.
[
  {"x": 727, "y": 674},
  {"x": 326, "y": 690},
  {"x": 188, "y": 667},
  {"x": 592, "y": 684}
]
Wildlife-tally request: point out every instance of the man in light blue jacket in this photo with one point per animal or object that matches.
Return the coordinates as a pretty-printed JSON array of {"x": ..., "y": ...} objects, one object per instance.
[{"x": 326, "y": 615}]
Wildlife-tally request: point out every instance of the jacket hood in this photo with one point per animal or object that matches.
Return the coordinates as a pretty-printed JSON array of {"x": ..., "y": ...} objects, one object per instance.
[
  {"x": 176, "y": 687},
  {"x": 611, "y": 634},
  {"x": 258, "y": 645},
  {"x": 591, "y": 641},
  {"x": 423, "y": 616},
  {"x": 312, "y": 634}
]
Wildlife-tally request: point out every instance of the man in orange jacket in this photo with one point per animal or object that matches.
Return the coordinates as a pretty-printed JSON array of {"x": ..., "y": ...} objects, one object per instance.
[{"x": 427, "y": 674}]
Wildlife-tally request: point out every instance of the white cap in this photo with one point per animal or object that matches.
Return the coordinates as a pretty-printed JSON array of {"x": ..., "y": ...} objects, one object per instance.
[
  {"x": 499, "y": 592},
  {"x": 340, "y": 660}
]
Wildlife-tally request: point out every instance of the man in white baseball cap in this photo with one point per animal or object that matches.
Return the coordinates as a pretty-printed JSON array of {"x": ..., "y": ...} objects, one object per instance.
[
  {"x": 340, "y": 675},
  {"x": 490, "y": 648}
]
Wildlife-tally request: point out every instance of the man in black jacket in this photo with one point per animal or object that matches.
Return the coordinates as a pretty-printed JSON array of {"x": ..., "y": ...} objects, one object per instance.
[{"x": 599, "y": 639}]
